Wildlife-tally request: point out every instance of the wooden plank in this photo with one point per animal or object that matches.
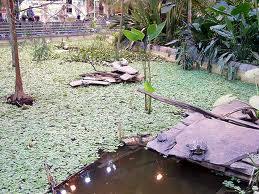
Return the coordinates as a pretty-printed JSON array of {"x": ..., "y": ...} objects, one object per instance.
[
  {"x": 126, "y": 69},
  {"x": 76, "y": 83},
  {"x": 126, "y": 76},
  {"x": 92, "y": 82}
]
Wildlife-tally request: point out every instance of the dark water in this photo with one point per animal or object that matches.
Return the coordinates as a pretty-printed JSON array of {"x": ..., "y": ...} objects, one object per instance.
[{"x": 141, "y": 172}]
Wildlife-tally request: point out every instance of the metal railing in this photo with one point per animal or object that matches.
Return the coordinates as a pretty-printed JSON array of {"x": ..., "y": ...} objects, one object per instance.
[{"x": 51, "y": 29}]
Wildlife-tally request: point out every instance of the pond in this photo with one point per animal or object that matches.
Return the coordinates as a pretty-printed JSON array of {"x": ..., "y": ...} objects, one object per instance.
[{"x": 140, "y": 171}]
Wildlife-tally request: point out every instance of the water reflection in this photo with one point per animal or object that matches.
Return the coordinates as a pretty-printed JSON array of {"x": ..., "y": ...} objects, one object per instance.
[{"x": 141, "y": 172}]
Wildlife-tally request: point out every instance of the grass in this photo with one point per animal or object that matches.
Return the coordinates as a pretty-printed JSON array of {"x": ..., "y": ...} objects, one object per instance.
[{"x": 67, "y": 126}]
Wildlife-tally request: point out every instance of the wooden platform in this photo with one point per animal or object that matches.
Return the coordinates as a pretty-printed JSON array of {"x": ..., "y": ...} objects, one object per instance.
[{"x": 229, "y": 146}]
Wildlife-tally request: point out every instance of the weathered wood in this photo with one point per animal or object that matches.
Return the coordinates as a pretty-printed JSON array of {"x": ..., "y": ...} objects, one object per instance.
[
  {"x": 76, "y": 83},
  {"x": 207, "y": 114},
  {"x": 92, "y": 82},
  {"x": 126, "y": 69},
  {"x": 126, "y": 77}
]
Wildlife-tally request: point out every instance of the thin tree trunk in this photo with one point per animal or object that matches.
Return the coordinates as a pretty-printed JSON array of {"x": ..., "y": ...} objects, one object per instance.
[
  {"x": 11, "y": 20},
  {"x": 120, "y": 33},
  {"x": 18, "y": 98},
  {"x": 189, "y": 11}
]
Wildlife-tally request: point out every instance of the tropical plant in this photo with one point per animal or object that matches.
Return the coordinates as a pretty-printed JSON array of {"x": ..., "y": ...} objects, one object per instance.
[
  {"x": 228, "y": 32},
  {"x": 152, "y": 32}
]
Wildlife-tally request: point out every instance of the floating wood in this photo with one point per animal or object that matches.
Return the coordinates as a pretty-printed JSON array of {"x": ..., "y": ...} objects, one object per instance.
[
  {"x": 76, "y": 83},
  {"x": 207, "y": 114},
  {"x": 121, "y": 74},
  {"x": 126, "y": 69},
  {"x": 126, "y": 77},
  {"x": 93, "y": 82}
]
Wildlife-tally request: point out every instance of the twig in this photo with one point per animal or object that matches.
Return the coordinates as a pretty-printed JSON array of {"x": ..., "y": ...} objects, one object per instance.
[{"x": 51, "y": 180}]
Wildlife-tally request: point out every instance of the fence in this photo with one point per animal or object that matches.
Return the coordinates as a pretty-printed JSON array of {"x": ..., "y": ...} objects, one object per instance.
[{"x": 52, "y": 29}]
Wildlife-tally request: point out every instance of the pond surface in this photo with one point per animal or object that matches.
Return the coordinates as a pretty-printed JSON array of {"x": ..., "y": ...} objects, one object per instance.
[{"x": 141, "y": 171}]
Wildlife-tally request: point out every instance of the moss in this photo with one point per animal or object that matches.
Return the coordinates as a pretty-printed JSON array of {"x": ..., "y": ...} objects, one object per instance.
[{"x": 67, "y": 126}]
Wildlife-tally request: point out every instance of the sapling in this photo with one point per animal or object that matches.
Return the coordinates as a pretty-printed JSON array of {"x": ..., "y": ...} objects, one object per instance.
[{"x": 152, "y": 32}]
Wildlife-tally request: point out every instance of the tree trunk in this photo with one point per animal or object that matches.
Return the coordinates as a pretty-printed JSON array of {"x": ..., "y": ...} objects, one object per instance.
[
  {"x": 120, "y": 33},
  {"x": 11, "y": 10},
  {"x": 19, "y": 97},
  {"x": 189, "y": 11}
]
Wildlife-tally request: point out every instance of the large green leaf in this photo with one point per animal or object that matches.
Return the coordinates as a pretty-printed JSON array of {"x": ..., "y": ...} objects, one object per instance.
[
  {"x": 151, "y": 29},
  {"x": 148, "y": 87},
  {"x": 242, "y": 8},
  {"x": 140, "y": 34},
  {"x": 157, "y": 32},
  {"x": 134, "y": 35},
  {"x": 222, "y": 32}
]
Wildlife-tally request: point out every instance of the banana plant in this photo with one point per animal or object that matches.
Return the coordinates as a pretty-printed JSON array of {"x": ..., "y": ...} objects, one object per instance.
[{"x": 152, "y": 32}]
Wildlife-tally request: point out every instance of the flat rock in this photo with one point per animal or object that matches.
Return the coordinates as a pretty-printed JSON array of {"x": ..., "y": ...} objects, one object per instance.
[
  {"x": 76, "y": 83},
  {"x": 225, "y": 141},
  {"x": 126, "y": 69}
]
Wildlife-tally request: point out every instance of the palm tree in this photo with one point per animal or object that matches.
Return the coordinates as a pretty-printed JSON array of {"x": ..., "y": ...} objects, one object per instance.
[{"x": 19, "y": 98}]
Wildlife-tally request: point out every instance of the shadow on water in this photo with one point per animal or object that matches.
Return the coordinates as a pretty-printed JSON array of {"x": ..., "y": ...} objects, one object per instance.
[{"x": 141, "y": 171}]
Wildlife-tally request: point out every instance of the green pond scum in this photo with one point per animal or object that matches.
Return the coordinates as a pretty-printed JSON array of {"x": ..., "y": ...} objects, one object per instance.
[{"x": 67, "y": 126}]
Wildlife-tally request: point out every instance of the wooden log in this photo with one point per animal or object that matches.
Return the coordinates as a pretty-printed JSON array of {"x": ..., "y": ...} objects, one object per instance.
[
  {"x": 92, "y": 82},
  {"x": 207, "y": 114},
  {"x": 76, "y": 83}
]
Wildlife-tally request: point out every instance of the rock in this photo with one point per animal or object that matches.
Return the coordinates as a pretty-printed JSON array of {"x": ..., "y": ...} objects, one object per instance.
[
  {"x": 124, "y": 62},
  {"x": 126, "y": 77},
  {"x": 76, "y": 83},
  {"x": 126, "y": 69}
]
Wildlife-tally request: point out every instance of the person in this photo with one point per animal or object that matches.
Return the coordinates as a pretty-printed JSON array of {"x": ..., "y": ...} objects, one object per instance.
[
  {"x": 1, "y": 17},
  {"x": 30, "y": 14},
  {"x": 78, "y": 17}
]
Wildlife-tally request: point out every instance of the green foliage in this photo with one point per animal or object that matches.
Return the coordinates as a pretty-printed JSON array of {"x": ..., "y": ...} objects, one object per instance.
[
  {"x": 42, "y": 51},
  {"x": 155, "y": 30},
  {"x": 134, "y": 35},
  {"x": 87, "y": 114},
  {"x": 148, "y": 87},
  {"x": 233, "y": 185},
  {"x": 228, "y": 32},
  {"x": 100, "y": 51}
]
